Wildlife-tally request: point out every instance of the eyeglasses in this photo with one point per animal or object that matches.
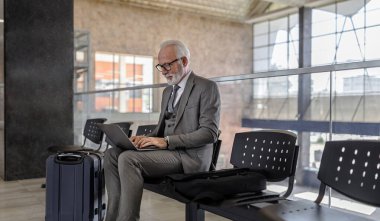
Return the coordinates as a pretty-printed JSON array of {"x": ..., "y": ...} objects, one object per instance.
[{"x": 166, "y": 66}]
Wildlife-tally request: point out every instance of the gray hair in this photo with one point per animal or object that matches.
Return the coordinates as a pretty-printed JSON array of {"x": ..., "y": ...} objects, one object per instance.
[{"x": 182, "y": 49}]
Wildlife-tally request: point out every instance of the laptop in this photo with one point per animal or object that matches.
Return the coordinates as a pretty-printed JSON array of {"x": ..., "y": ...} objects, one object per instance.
[{"x": 119, "y": 138}]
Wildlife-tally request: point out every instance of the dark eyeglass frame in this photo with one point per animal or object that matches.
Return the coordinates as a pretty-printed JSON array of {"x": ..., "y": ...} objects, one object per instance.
[{"x": 166, "y": 66}]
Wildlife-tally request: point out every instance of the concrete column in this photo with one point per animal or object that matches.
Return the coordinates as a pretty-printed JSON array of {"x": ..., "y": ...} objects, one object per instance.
[
  {"x": 304, "y": 89},
  {"x": 38, "y": 83}
]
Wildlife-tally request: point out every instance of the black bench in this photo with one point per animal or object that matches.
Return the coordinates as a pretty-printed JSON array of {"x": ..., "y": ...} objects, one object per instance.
[
  {"x": 158, "y": 185},
  {"x": 272, "y": 153},
  {"x": 351, "y": 168}
]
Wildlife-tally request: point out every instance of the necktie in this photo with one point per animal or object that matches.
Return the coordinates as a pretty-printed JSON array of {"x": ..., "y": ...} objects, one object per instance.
[{"x": 172, "y": 99}]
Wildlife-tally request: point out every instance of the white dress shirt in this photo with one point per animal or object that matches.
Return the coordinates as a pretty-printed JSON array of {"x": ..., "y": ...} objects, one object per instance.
[{"x": 182, "y": 85}]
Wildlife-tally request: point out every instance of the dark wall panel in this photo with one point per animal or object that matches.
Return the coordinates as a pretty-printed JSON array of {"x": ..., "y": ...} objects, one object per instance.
[{"x": 38, "y": 83}]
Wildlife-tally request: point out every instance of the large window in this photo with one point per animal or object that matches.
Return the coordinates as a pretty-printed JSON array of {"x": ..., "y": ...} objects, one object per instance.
[
  {"x": 345, "y": 32},
  {"x": 114, "y": 71},
  {"x": 275, "y": 48},
  {"x": 325, "y": 103},
  {"x": 275, "y": 44}
]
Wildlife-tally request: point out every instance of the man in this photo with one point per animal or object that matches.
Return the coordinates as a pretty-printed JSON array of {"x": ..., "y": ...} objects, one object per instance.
[{"x": 187, "y": 127}]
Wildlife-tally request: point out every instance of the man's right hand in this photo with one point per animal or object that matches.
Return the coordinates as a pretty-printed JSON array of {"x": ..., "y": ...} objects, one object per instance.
[{"x": 135, "y": 139}]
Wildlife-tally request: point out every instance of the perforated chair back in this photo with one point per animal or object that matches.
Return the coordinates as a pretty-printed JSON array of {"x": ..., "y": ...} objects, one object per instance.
[
  {"x": 124, "y": 127},
  {"x": 92, "y": 131},
  {"x": 145, "y": 129},
  {"x": 271, "y": 152},
  {"x": 353, "y": 169}
]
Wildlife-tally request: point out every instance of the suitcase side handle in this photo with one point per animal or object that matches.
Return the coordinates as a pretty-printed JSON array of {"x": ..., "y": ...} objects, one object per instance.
[{"x": 69, "y": 158}]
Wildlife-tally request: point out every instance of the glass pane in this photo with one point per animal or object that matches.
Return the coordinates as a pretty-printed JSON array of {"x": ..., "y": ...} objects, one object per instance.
[
  {"x": 279, "y": 24},
  {"x": 323, "y": 14},
  {"x": 293, "y": 54},
  {"x": 134, "y": 101},
  {"x": 81, "y": 57},
  {"x": 144, "y": 70},
  {"x": 323, "y": 50},
  {"x": 343, "y": 24},
  {"x": 323, "y": 28},
  {"x": 278, "y": 30},
  {"x": 348, "y": 96},
  {"x": 104, "y": 102},
  {"x": 80, "y": 78},
  {"x": 275, "y": 98},
  {"x": 104, "y": 71},
  {"x": 260, "y": 65},
  {"x": 320, "y": 97},
  {"x": 124, "y": 101},
  {"x": 372, "y": 47},
  {"x": 351, "y": 46},
  {"x": 147, "y": 100},
  {"x": 261, "y": 53},
  {"x": 293, "y": 86},
  {"x": 294, "y": 33},
  {"x": 126, "y": 70},
  {"x": 323, "y": 21},
  {"x": 260, "y": 40},
  {"x": 371, "y": 102},
  {"x": 260, "y": 28},
  {"x": 293, "y": 27},
  {"x": 279, "y": 56},
  {"x": 373, "y": 10},
  {"x": 372, "y": 5},
  {"x": 278, "y": 37},
  {"x": 317, "y": 144}
]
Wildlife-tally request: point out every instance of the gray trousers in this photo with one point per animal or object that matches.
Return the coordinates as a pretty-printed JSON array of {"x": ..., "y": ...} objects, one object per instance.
[{"x": 124, "y": 171}]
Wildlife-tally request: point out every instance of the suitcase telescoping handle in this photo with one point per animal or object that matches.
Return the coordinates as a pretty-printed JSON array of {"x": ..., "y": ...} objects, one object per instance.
[{"x": 69, "y": 158}]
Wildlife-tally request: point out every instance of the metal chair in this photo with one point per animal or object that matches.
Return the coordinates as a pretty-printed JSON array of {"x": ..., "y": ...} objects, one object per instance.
[
  {"x": 273, "y": 153},
  {"x": 145, "y": 129},
  {"x": 351, "y": 168},
  {"x": 91, "y": 132},
  {"x": 215, "y": 155}
]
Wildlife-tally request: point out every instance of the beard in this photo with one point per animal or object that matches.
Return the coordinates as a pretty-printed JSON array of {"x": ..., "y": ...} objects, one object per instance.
[{"x": 175, "y": 77}]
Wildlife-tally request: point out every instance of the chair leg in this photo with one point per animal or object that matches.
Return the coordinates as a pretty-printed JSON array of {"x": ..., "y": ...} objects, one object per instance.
[{"x": 194, "y": 213}]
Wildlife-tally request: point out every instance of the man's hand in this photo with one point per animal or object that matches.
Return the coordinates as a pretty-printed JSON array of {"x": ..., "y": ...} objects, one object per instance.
[
  {"x": 135, "y": 139},
  {"x": 143, "y": 142}
]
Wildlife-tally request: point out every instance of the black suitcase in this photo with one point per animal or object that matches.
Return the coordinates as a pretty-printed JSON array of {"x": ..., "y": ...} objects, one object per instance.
[{"x": 75, "y": 187}]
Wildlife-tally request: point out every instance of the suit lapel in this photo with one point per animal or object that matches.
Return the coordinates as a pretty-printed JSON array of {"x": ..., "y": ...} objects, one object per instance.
[
  {"x": 164, "y": 105},
  {"x": 184, "y": 98},
  {"x": 165, "y": 98}
]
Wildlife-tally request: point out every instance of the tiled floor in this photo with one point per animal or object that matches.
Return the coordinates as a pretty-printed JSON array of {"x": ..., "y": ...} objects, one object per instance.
[{"x": 24, "y": 200}]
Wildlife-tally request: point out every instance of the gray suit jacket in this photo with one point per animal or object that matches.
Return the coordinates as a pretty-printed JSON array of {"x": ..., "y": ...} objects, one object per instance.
[{"x": 196, "y": 126}]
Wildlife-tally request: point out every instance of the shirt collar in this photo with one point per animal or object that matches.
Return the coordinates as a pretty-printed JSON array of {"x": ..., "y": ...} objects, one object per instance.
[{"x": 182, "y": 84}]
